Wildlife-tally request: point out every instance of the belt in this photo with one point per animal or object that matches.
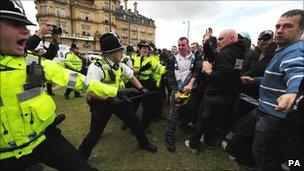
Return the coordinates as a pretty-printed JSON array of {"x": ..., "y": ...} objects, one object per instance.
[{"x": 33, "y": 137}]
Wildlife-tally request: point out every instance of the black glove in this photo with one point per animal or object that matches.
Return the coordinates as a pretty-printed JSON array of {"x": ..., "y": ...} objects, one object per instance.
[
  {"x": 125, "y": 99},
  {"x": 128, "y": 92},
  {"x": 113, "y": 101},
  {"x": 145, "y": 67},
  {"x": 144, "y": 91}
]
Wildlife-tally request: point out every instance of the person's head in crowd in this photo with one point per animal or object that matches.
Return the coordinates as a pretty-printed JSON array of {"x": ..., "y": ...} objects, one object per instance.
[
  {"x": 129, "y": 50},
  {"x": 194, "y": 47},
  {"x": 74, "y": 48},
  {"x": 159, "y": 51},
  {"x": 164, "y": 50},
  {"x": 143, "y": 47},
  {"x": 289, "y": 28},
  {"x": 183, "y": 46},
  {"x": 265, "y": 38},
  {"x": 174, "y": 50},
  {"x": 245, "y": 36},
  {"x": 13, "y": 31},
  {"x": 56, "y": 38},
  {"x": 111, "y": 47},
  {"x": 226, "y": 38},
  {"x": 153, "y": 49}
]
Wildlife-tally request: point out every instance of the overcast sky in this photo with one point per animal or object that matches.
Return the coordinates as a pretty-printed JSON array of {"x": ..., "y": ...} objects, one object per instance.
[{"x": 171, "y": 17}]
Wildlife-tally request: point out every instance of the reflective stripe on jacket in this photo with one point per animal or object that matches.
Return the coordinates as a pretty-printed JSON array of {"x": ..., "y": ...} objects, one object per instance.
[{"x": 25, "y": 114}]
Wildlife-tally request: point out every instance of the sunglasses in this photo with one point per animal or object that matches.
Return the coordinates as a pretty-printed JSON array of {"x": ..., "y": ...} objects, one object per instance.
[{"x": 264, "y": 38}]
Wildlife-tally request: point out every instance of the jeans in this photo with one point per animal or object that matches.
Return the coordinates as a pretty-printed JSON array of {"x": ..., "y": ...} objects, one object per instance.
[
  {"x": 214, "y": 114},
  {"x": 270, "y": 136},
  {"x": 240, "y": 146}
]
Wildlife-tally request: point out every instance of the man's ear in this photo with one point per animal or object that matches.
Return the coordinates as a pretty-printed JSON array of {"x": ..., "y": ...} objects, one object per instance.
[{"x": 301, "y": 30}]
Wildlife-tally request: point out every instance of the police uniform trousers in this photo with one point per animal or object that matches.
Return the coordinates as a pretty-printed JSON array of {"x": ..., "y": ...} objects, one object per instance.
[
  {"x": 147, "y": 104},
  {"x": 158, "y": 104},
  {"x": 55, "y": 152},
  {"x": 100, "y": 115}
]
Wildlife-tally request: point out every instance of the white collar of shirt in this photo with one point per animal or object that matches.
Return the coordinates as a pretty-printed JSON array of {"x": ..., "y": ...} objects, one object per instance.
[
  {"x": 110, "y": 62},
  {"x": 178, "y": 56}
]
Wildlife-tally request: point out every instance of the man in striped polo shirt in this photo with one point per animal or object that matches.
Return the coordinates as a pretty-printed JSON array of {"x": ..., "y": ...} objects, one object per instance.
[{"x": 278, "y": 90}]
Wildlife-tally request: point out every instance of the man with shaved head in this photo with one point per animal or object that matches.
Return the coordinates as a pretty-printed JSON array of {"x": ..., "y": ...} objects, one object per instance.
[
  {"x": 222, "y": 81},
  {"x": 226, "y": 38}
]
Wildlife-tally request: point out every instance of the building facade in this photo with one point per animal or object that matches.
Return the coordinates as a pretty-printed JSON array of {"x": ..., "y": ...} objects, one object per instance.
[{"x": 84, "y": 21}]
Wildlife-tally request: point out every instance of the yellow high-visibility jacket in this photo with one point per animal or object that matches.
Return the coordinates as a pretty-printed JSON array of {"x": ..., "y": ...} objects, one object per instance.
[{"x": 26, "y": 113}]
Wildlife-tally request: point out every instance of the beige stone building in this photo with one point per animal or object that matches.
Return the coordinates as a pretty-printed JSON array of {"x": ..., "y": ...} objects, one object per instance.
[{"x": 84, "y": 21}]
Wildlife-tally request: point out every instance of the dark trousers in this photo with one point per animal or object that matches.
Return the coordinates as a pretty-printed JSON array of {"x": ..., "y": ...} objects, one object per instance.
[
  {"x": 270, "y": 135},
  {"x": 69, "y": 90},
  {"x": 165, "y": 89},
  {"x": 240, "y": 146},
  {"x": 55, "y": 152},
  {"x": 158, "y": 100},
  {"x": 49, "y": 88},
  {"x": 147, "y": 104},
  {"x": 172, "y": 119},
  {"x": 101, "y": 113},
  {"x": 213, "y": 116}
]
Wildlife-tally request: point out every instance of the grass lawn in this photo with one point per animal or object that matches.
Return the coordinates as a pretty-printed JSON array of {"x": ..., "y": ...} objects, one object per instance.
[{"x": 118, "y": 150}]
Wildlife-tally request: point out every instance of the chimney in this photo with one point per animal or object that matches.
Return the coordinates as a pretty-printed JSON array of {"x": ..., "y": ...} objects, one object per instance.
[
  {"x": 135, "y": 8},
  {"x": 126, "y": 5}
]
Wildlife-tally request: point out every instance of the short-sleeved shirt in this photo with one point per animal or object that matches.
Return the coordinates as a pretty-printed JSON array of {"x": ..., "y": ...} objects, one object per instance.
[{"x": 95, "y": 72}]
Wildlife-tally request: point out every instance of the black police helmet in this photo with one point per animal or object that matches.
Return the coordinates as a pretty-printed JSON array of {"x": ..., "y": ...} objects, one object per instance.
[
  {"x": 143, "y": 43},
  {"x": 129, "y": 49},
  {"x": 109, "y": 43},
  {"x": 12, "y": 10}
]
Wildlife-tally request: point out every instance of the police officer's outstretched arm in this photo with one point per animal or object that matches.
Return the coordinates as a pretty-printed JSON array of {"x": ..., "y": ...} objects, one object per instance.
[{"x": 64, "y": 77}]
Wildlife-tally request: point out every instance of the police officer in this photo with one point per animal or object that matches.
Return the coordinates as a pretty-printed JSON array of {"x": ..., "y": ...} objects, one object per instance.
[
  {"x": 157, "y": 78},
  {"x": 73, "y": 62},
  {"x": 144, "y": 68},
  {"x": 28, "y": 132},
  {"x": 110, "y": 70}
]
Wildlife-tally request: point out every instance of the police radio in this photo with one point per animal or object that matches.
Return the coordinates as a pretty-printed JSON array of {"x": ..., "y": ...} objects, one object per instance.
[{"x": 35, "y": 75}]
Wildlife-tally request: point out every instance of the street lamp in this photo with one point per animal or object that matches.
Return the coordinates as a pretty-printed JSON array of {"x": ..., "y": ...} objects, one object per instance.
[{"x": 188, "y": 28}]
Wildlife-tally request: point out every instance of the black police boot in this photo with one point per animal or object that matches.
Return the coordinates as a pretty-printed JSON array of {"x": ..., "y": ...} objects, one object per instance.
[
  {"x": 77, "y": 94},
  {"x": 149, "y": 147},
  {"x": 169, "y": 143}
]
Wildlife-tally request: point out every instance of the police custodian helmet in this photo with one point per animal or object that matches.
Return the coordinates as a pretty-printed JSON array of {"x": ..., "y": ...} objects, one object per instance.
[
  {"x": 109, "y": 43},
  {"x": 143, "y": 43},
  {"x": 12, "y": 10}
]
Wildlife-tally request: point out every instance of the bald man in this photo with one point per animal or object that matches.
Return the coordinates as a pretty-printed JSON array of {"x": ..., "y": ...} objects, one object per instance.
[{"x": 222, "y": 87}]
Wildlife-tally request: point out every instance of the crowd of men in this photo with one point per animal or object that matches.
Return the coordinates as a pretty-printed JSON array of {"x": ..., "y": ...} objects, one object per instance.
[{"x": 224, "y": 92}]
